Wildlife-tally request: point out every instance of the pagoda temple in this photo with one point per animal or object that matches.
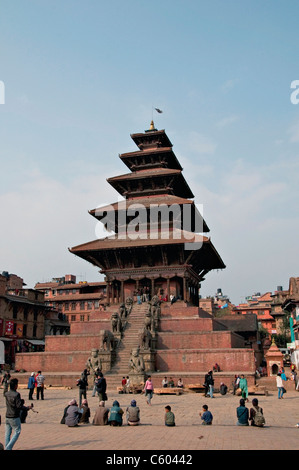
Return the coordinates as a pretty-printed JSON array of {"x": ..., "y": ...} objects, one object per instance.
[
  {"x": 158, "y": 242},
  {"x": 157, "y": 245}
]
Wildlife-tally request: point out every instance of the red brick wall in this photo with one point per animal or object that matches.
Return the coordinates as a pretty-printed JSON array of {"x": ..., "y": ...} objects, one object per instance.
[
  {"x": 91, "y": 327},
  {"x": 207, "y": 340},
  {"x": 202, "y": 360},
  {"x": 52, "y": 362},
  {"x": 190, "y": 324},
  {"x": 72, "y": 343}
]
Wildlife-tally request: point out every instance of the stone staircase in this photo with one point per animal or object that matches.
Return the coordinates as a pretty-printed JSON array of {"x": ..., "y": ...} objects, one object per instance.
[{"x": 129, "y": 341}]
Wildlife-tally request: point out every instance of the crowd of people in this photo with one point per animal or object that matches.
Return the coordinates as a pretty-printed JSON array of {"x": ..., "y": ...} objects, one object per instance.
[{"x": 78, "y": 412}]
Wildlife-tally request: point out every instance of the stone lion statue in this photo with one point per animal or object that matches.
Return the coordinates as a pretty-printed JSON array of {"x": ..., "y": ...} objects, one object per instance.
[
  {"x": 115, "y": 323},
  {"x": 129, "y": 305},
  {"x": 148, "y": 321}
]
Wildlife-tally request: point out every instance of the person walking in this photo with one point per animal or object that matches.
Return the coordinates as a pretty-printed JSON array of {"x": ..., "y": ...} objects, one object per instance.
[
  {"x": 82, "y": 383},
  {"x": 31, "y": 385},
  {"x": 279, "y": 385},
  {"x": 40, "y": 384},
  {"x": 244, "y": 387},
  {"x": 149, "y": 390},
  {"x": 209, "y": 384},
  {"x": 101, "y": 387},
  {"x": 14, "y": 406}
]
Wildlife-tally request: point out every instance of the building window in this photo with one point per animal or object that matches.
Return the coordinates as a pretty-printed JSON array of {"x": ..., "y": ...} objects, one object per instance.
[
  {"x": 15, "y": 311},
  {"x": 89, "y": 305},
  {"x": 73, "y": 305},
  {"x": 81, "y": 317},
  {"x": 66, "y": 306},
  {"x": 35, "y": 314},
  {"x": 96, "y": 304},
  {"x": 82, "y": 305},
  {"x": 73, "y": 317}
]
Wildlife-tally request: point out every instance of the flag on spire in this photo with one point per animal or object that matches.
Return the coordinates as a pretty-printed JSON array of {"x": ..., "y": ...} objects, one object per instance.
[{"x": 158, "y": 110}]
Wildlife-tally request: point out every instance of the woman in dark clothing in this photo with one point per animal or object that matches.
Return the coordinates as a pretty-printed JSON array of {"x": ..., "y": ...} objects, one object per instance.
[
  {"x": 85, "y": 413},
  {"x": 242, "y": 414},
  {"x": 116, "y": 415},
  {"x": 73, "y": 414}
]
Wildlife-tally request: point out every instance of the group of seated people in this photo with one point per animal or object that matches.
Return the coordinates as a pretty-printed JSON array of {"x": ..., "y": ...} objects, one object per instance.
[
  {"x": 255, "y": 415},
  {"x": 170, "y": 383},
  {"x": 73, "y": 415}
]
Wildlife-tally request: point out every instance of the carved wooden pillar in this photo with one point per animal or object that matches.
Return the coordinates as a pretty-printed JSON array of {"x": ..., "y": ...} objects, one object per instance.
[
  {"x": 117, "y": 293},
  {"x": 112, "y": 293},
  {"x": 108, "y": 292},
  {"x": 184, "y": 289},
  {"x": 122, "y": 293},
  {"x": 153, "y": 287}
]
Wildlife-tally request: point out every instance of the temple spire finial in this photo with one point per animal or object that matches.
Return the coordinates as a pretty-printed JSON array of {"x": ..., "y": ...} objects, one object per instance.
[{"x": 152, "y": 126}]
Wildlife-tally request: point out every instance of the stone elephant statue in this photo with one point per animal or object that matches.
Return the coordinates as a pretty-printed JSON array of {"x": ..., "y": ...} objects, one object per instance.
[
  {"x": 144, "y": 338},
  {"x": 106, "y": 340}
]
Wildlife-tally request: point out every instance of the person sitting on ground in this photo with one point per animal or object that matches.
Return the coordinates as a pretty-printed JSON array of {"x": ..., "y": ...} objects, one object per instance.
[
  {"x": 242, "y": 414},
  {"x": 171, "y": 382},
  {"x": 101, "y": 415},
  {"x": 116, "y": 415},
  {"x": 164, "y": 382},
  {"x": 64, "y": 414},
  {"x": 123, "y": 384},
  {"x": 206, "y": 416},
  {"x": 73, "y": 414},
  {"x": 84, "y": 419},
  {"x": 127, "y": 384},
  {"x": 169, "y": 416},
  {"x": 133, "y": 414},
  {"x": 256, "y": 415},
  {"x": 223, "y": 388},
  {"x": 180, "y": 383}
]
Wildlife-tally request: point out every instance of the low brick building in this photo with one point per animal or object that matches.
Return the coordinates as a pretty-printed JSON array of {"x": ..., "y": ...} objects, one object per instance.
[
  {"x": 22, "y": 317},
  {"x": 78, "y": 301}
]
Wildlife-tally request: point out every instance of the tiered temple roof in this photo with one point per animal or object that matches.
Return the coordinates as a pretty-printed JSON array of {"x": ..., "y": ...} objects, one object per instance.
[{"x": 171, "y": 247}]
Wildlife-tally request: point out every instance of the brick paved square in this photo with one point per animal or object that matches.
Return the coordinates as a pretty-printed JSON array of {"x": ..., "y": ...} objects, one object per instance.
[{"x": 43, "y": 430}]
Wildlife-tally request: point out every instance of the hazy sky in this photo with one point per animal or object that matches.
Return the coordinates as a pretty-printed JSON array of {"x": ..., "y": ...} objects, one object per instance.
[{"x": 81, "y": 76}]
